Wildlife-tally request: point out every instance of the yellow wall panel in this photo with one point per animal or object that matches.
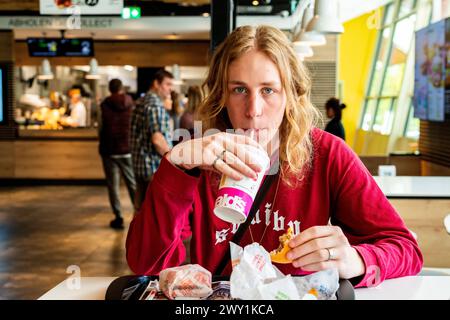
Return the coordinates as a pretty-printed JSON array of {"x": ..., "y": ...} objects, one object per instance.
[{"x": 356, "y": 49}]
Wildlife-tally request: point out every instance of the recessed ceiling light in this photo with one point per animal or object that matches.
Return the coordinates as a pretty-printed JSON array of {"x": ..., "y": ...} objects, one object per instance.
[
  {"x": 255, "y": 2},
  {"x": 205, "y": 14},
  {"x": 121, "y": 37}
]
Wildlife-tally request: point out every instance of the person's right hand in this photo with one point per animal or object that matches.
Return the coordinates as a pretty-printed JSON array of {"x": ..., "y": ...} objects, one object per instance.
[{"x": 236, "y": 159}]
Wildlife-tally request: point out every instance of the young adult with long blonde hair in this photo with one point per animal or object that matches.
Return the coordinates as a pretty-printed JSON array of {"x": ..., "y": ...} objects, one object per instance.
[{"x": 340, "y": 218}]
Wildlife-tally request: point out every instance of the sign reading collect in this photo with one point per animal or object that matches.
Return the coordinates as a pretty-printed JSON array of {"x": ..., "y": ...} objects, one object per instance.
[{"x": 83, "y": 7}]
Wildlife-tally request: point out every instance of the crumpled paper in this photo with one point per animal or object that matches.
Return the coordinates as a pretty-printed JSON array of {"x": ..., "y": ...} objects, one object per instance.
[{"x": 255, "y": 278}]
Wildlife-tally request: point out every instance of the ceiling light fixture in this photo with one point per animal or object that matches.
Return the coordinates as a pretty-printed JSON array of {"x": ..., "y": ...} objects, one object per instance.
[
  {"x": 93, "y": 70},
  {"x": 46, "y": 71},
  {"x": 326, "y": 17},
  {"x": 310, "y": 38}
]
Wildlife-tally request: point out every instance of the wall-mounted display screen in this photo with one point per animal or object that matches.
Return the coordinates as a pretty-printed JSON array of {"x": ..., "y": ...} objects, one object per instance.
[
  {"x": 43, "y": 47},
  {"x": 57, "y": 47},
  {"x": 432, "y": 72},
  {"x": 80, "y": 47}
]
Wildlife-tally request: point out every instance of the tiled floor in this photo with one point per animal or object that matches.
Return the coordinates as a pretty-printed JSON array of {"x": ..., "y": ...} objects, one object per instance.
[{"x": 46, "y": 229}]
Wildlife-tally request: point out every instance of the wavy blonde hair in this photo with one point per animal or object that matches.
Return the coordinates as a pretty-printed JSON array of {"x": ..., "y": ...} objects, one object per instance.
[{"x": 296, "y": 148}]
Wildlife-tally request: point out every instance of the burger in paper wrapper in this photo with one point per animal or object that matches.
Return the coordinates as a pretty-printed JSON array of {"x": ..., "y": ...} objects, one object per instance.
[
  {"x": 189, "y": 281},
  {"x": 279, "y": 255}
]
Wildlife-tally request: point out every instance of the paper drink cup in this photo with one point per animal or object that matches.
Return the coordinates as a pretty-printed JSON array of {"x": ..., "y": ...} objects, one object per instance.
[{"x": 235, "y": 198}]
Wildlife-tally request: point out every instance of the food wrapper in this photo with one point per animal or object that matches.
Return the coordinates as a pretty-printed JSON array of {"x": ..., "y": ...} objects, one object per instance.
[
  {"x": 255, "y": 278},
  {"x": 187, "y": 281},
  {"x": 322, "y": 284},
  {"x": 281, "y": 289}
]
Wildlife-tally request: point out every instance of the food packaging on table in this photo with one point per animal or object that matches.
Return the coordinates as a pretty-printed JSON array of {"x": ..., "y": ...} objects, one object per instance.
[
  {"x": 255, "y": 278},
  {"x": 187, "y": 281}
]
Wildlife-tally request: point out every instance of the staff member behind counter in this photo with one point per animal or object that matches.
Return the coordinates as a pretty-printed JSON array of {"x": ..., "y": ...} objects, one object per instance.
[{"x": 77, "y": 110}]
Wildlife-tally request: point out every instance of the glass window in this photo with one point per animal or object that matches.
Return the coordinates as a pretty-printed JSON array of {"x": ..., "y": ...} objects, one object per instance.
[
  {"x": 412, "y": 128},
  {"x": 387, "y": 80},
  {"x": 402, "y": 40},
  {"x": 371, "y": 105},
  {"x": 406, "y": 6},
  {"x": 384, "y": 115},
  {"x": 378, "y": 71},
  {"x": 389, "y": 15}
]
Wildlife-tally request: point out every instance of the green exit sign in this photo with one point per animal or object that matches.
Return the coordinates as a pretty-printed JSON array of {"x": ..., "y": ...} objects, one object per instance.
[{"x": 131, "y": 13}]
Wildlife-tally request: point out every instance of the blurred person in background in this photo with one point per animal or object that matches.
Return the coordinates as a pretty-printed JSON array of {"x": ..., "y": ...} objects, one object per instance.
[
  {"x": 334, "y": 112},
  {"x": 114, "y": 148},
  {"x": 193, "y": 101},
  {"x": 175, "y": 111},
  {"x": 77, "y": 110},
  {"x": 150, "y": 133}
]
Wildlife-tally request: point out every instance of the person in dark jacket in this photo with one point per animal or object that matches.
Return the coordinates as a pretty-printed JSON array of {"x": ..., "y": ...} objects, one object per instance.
[
  {"x": 115, "y": 146},
  {"x": 334, "y": 111}
]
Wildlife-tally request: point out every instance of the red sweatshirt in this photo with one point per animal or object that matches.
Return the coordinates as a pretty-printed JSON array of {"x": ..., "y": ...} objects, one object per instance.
[{"x": 338, "y": 188}]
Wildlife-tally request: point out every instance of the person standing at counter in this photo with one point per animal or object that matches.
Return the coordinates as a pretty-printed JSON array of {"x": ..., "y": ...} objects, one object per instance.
[
  {"x": 150, "y": 133},
  {"x": 114, "y": 147},
  {"x": 340, "y": 217},
  {"x": 77, "y": 109},
  {"x": 334, "y": 112}
]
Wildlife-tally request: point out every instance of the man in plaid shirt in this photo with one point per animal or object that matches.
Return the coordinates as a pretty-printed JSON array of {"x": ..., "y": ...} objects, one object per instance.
[{"x": 150, "y": 133}]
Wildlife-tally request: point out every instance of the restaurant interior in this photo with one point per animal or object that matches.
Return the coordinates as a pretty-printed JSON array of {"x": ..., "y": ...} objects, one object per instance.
[{"x": 54, "y": 208}]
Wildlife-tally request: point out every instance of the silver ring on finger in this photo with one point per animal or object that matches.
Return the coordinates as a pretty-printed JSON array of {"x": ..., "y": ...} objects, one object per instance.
[
  {"x": 331, "y": 255},
  {"x": 219, "y": 157}
]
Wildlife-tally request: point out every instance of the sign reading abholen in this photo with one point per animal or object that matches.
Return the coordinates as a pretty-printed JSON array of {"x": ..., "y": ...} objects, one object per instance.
[{"x": 83, "y": 7}]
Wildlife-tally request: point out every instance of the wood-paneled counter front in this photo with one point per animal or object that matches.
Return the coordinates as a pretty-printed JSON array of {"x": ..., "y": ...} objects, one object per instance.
[{"x": 51, "y": 154}]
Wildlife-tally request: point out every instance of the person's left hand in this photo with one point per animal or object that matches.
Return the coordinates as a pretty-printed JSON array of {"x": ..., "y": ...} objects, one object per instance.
[{"x": 324, "y": 247}]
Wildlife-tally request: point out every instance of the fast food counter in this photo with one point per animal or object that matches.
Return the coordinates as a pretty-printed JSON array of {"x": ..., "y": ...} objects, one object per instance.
[{"x": 52, "y": 154}]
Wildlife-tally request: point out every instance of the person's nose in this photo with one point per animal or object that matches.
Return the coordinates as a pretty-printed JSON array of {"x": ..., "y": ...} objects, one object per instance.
[{"x": 254, "y": 105}]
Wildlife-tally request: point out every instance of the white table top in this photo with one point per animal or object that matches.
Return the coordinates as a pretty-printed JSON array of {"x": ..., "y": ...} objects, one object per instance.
[
  {"x": 409, "y": 186},
  {"x": 407, "y": 288}
]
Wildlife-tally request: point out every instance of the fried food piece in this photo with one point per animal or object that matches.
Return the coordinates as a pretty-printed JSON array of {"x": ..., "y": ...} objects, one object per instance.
[{"x": 279, "y": 255}]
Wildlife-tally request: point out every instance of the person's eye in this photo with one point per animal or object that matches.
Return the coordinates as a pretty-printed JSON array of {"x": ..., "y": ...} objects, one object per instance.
[
  {"x": 240, "y": 90},
  {"x": 267, "y": 90}
]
